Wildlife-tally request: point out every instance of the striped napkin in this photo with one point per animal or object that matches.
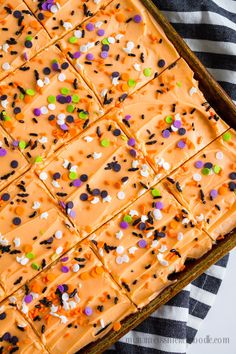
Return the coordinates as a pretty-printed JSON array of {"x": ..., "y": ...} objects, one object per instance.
[{"x": 209, "y": 28}]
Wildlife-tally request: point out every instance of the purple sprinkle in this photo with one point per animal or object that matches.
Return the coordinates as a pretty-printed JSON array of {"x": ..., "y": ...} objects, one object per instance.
[
  {"x": 72, "y": 214},
  {"x": 64, "y": 259},
  {"x": 77, "y": 183},
  {"x": 181, "y": 144},
  {"x": 6, "y": 337},
  {"x": 76, "y": 55},
  {"x": 142, "y": 243},
  {"x": 166, "y": 133},
  {"x": 25, "y": 56},
  {"x": 64, "y": 269},
  {"x": 101, "y": 32},
  {"x": 90, "y": 27},
  {"x": 88, "y": 311},
  {"x": 15, "y": 143},
  {"x": 177, "y": 124},
  {"x": 45, "y": 6},
  {"x": 159, "y": 205},
  {"x": 37, "y": 112},
  {"x": 62, "y": 204},
  {"x": 127, "y": 117},
  {"x": 3, "y": 152},
  {"x": 131, "y": 142},
  {"x": 124, "y": 224},
  {"x": 68, "y": 99},
  {"x": 61, "y": 288},
  {"x": 28, "y": 298},
  {"x": 104, "y": 55},
  {"x": 89, "y": 56},
  {"x": 64, "y": 127},
  {"x": 213, "y": 193},
  {"x": 198, "y": 164},
  {"x": 133, "y": 152},
  {"x": 55, "y": 66},
  {"x": 138, "y": 18},
  {"x": 115, "y": 74}
]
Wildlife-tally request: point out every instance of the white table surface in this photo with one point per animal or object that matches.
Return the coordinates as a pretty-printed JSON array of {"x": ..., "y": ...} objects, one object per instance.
[{"x": 220, "y": 323}]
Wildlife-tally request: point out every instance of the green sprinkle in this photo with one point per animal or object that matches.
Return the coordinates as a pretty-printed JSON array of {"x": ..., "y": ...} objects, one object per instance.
[
  {"x": 65, "y": 90},
  {"x": 147, "y": 72},
  {"x": 30, "y": 255},
  {"x": 51, "y": 99},
  {"x": 105, "y": 41},
  {"x": 169, "y": 119},
  {"x": 131, "y": 83},
  {"x": 217, "y": 169},
  {"x": 155, "y": 192},
  {"x": 75, "y": 98},
  {"x": 73, "y": 40},
  {"x": 206, "y": 171},
  {"x": 38, "y": 159},
  {"x": 22, "y": 144},
  {"x": 83, "y": 115},
  {"x": 72, "y": 175},
  {"x": 30, "y": 92},
  {"x": 35, "y": 266},
  {"x": 105, "y": 142},
  {"x": 179, "y": 84},
  {"x": 128, "y": 218},
  {"x": 6, "y": 118},
  {"x": 21, "y": 96},
  {"x": 29, "y": 38},
  {"x": 227, "y": 136},
  {"x": 70, "y": 108}
]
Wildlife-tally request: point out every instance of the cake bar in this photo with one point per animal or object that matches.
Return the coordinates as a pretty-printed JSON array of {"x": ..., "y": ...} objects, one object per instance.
[
  {"x": 147, "y": 242},
  {"x": 206, "y": 185}
]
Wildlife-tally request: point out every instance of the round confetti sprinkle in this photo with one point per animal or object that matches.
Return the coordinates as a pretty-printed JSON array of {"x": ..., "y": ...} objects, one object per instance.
[
  {"x": 72, "y": 214},
  {"x": 232, "y": 186},
  {"x": 128, "y": 218},
  {"x": 131, "y": 142},
  {"x": 155, "y": 192},
  {"x": 28, "y": 299},
  {"x": 16, "y": 221},
  {"x": 89, "y": 56},
  {"x": 138, "y": 18},
  {"x": 216, "y": 169},
  {"x": 232, "y": 176},
  {"x": 177, "y": 124},
  {"x": 147, "y": 72},
  {"x": 105, "y": 142},
  {"x": 124, "y": 224},
  {"x": 56, "y": 176},
  {"x": 198, "y": 164},
  {"x": 159, "y": 205},
  {"x": 72, "y": 175},
  {"x": 37, "y": 112},
  {"x": 64, "y": 269},
  {"x": 84, "y": 178},
  {"x": 206, "y": 171},
  {"x": 161, "y": 63},
  {"x": 213, "y": 193},
  {"x": 182, "y": 131},
  {"x": 3, "y": 152},
  {"x": 77, "y": 183},
  {"x": 90, "y": 26},
  {"x": 227, "y": 136},
  {"x": 133, "y": 152},
  {"x": 131, "y": 83},
  {"x": 166, "y": 133},
  {"x": 88, "y": 311},
  {"x": 169, "y": 119},
  {"x": 5, "y": 197},
  {"x": 101, "y": 32},
  {"x": 142, "y": 243},
  {"x": 84, "y": 197},
  {"x": 104, "y": 55},
  {"x": 181, "y": 144},
  {"x": 116, "y": 132},
  {"x": 197, "y": 177}
]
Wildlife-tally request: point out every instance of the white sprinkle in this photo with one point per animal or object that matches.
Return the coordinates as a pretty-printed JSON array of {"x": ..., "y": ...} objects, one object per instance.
[
  {"x": 43, "y": 176},
  {"x": 133, "y": 249},
  {"x": 97, "y": 155},
  {"x": 111, "y": 40},
  {"x": 53, "y": 308},
  {"x": 43, "y": 140},
  {"x": 65, "y": 297},
  {"x": 120, "y": 249},
  {"x": 157, "y": 214},
  {"x": 180, "y": 236},
  {"x": 219, "y": 155},
  {"x": 63, "y": 319},
  {"x": 102, "y": 322},
  {"x": 200, "y": 217},
  {"x": 162, "y": 249},
  {"x": 125, "y": 258},
  {"x": 4, "y": 103},
  {"x": 197, "y": 177},
  {"x": 51, "y": 106},
  {"x": 65, "y": 163},
  {"x": 16, "y": 242},
  {"x": 44, "y": 110},
  {"x": 78, "y": 33},
  {"x": 47, "y": 80},
  {"x": 135, "y": 164},
  {"x": 161, "y": 260},
  {"x": 6, "y": 66},
  {"x": 133, "y": 213},
  {"x": 54, "y": 9},
  {"x": 137, "y": 67},
  {"x": 40, "y": 83},
  {"x": 88, "y": 139},
  {"x": 119, "y": 260},
  {"x": 192, "y": 91},
  {"x": 67, "y": 25},
  {"x": 75, "y": 268},
  {"x": 121, "y": 195},
  {"x": 24, "y": 308},
  {"x": 98, "y": 24},
  {"x": 185, "y": 221},
  {"x": 55, "y": 184},
  {"x": 155, "y": 243},
  {"x": 59, "y": 250},
  {"x": 5, "y": 47},
  {"x": 144, "y": 218},
  {"x": 104, "y": 92},
  {"x": 95, "y": 200},
  {"x": 44, "y": 215},
  {"x": 61, "y": 77},
  {"x": 166, "y": 166},
  {"x": 119, "y": 36},
  {"x": 36, "y": 205},
  {"x": 73, "y": 168},
  {"x": 58, "y": 234},
  {"x": 108, "y": 199},
  {"x": 119, "y": 235}
]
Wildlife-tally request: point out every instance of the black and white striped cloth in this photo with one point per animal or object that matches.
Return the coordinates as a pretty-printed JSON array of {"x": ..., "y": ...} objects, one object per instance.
[{"x": 209, "y": 28}]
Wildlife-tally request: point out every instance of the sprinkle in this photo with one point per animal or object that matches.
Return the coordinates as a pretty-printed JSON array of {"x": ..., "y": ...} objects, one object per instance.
[
  {"x": 75, "y": 268},
  {"x": 227, "y": 136},
  {"x": 64, "y": 269},
  {"x": 181, "y": 144},
  {"x": 197, "y": 177},
  {"x": 198, "y": 164},
  {"x": 166, "y": 133},
  {"x": 120, "y": 249},
  {"x": 43, "y": 176},
  {"x": 28, "y": 299},
  {"x": 213, "y": 193},
  {"x": 219, "y": 155},
  {"x": 142, "y": 244},
  {"x": 192, "y": 91},
  {"x": 88, "y": 311},
  {"x": 137, "y": 18},
  {"x": 161, "y": 63},
  {"x": 105, "y": 142},
  {"x": 124, "y": 225},
  {"x": 121, "y": 195}
]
